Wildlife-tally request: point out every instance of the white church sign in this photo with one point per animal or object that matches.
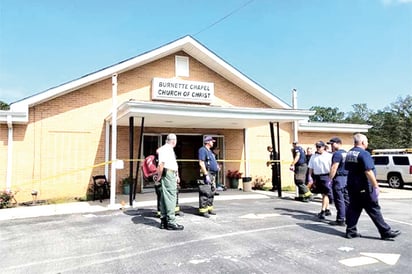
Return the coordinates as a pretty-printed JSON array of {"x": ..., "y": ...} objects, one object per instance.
[{"x": 182, "y": 91}]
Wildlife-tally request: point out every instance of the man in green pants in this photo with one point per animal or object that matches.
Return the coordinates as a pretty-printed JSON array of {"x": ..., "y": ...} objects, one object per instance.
[{"x": 167, "y": 171}]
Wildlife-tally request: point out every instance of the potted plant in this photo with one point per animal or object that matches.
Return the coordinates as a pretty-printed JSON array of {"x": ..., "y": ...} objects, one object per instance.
[
  {"x": 234, "y": 177},
  {"x": 126, "y": 185}
]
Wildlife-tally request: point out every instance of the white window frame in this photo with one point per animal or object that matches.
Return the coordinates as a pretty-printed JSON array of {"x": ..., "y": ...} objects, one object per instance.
[{"x": 181, "y": 66}]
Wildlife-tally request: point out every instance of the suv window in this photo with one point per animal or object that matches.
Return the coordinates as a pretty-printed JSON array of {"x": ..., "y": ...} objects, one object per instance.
[
  {"x": 401, "y": 160},
  {"x": 381, "y": 160}
]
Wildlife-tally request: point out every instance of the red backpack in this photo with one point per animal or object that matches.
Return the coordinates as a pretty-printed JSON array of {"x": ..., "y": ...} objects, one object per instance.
[{"x": 149, "y": 168}]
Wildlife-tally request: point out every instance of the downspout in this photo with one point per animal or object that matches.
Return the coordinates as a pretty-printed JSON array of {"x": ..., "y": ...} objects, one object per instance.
[
  {"x": 114, "y": 143},
  {"x": 9, "y": 151}
]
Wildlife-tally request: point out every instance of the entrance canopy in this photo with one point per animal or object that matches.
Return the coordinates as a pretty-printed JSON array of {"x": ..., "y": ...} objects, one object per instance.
[{"x": 159, "y": 114}]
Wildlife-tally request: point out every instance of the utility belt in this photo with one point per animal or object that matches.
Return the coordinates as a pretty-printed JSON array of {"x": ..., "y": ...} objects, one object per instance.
[
  {"x": 324, "y": 174},
  {"x": 167, "y": 170}
]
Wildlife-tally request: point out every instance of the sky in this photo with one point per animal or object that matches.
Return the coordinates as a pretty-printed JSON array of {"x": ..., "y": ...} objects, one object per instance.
[{"x": 335, "y": 53}]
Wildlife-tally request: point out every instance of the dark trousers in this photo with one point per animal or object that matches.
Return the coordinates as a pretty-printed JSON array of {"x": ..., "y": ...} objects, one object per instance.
[
  {"x": 359, "y": 201},
  {"x": 206, "y": 196},
  {"x": 324, "y": 186},
  {"x": 300, "y": 179},
  {"x": 340, "y": 196}
]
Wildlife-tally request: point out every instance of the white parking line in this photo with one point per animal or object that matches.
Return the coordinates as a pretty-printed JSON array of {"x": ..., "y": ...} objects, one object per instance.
[{"x": 399, "y": 222}]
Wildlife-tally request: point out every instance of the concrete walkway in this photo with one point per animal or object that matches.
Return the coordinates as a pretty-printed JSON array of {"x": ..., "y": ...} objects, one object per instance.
[{"x": 149, "y": 200}]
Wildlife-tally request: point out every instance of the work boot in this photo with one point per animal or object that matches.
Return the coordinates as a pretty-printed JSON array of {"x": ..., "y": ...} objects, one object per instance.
[
  {"x": 163, "y": 223},
  {"x": 390, "y": 235},
  {"x": 327, "y": 212},
  {"x": 206, "y": 215},
  {"x": 338, "y": 223},
  {"x": 321, "y": 215},
  {"x": 212, "y": 213},
  {"x": 170, "y": 226},
  {"x": 351, "y": 235}
]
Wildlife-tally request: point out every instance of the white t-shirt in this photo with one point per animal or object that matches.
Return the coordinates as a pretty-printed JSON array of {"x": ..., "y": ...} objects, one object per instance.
[
  {"x": 320, "y": 163},
  {"x": 168, "y": 157}
]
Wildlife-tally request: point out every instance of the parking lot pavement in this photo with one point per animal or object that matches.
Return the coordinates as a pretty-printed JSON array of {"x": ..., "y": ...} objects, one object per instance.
[
  {"x": 259, "y": 233},
  {"x": 149, "y": 199}
]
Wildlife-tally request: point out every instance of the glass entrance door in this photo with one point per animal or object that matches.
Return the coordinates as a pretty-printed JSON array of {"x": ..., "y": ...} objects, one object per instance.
[{"x": 186, "y": 151}]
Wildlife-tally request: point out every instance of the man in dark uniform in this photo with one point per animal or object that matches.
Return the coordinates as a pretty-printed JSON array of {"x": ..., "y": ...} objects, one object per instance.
[
  {"x": 338, "y": 175},
  {"x": 300, "y": 168},
  {"x": 363, "y": 191},
  {"x": 208, "y": 168}
]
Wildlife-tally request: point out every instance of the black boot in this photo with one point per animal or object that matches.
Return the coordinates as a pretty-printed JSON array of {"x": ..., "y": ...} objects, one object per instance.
[
  {"x": 163, "y": 223},
  {"x": 170, "y": 226}
]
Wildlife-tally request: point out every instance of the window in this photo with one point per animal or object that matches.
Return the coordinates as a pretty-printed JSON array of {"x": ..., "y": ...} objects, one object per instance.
[
  {"x": 381, "y": 160},
  {"x": 182, "y": 66},
  {"x": 401, "y": 160}
]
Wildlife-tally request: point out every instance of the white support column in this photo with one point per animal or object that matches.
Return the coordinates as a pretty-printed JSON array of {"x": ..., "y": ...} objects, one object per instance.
[
  {"x": 295, "y": 106},
  {"x": 9, "y": 152},
  {"x": 114, "y": 142},
  {"x": 245, "y": 141},
  {"x": 295, "y": 124},
  {"x": 107, "y": 149}
]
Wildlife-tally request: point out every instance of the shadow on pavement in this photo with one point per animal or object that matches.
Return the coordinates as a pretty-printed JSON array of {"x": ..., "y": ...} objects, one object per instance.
[
  {"x": 298, "y": 214},
  {"x": 143, "y": 216},
  {"x": 321, "y": 228},
  {"x": 309, "y": 216}
]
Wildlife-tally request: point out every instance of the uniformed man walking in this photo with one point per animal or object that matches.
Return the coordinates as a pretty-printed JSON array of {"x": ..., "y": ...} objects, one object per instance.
[
  {"x": 363, "y": 191},
  {"x": 300, "y": 168},
  {"x": 167, "y": 171},
  {"x": 208, "y": 168},
  {"x": 338, "y": 175}
]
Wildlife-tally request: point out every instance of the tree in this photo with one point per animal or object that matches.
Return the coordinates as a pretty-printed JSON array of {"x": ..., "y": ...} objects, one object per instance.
[
  {"x": 326, "y": 114},
  {"x": 4, "y": 106},
  {"x": 361, "y": 114},
  {"x": 391, "y": 127}
]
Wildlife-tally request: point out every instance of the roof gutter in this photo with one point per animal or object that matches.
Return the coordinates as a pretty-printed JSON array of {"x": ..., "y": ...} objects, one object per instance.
[{"x": 332, "y": 127}]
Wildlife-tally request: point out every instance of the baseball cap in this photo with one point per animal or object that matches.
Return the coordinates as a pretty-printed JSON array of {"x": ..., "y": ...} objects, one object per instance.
[
  {"x": 208, "y": 138},
  {"x": 320, "y": 144},
  {"x": 334, "y": 140},
  {"x": 295, "y": 142}
]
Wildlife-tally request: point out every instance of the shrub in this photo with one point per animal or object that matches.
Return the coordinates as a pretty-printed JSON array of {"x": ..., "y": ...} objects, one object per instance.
[
  {"x": 234, "y": 174},
  {"x": 5, "y": 198}
]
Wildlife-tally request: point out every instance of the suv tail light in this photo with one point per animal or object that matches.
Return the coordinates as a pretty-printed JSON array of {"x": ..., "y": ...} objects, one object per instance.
[{"x": 410, "y": 169}]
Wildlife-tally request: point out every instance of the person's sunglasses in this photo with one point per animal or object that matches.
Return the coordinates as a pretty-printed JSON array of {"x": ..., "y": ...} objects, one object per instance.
[{"x": 318, "y": 146}]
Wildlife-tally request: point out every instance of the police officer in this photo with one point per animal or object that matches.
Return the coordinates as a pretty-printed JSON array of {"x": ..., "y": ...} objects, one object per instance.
[
  {"x": 363, "y": 191},
  {"x": 338, "y": 175},
  {"x": 167, "y": 172},
  {"x": 208, "y": 168},
  {"x": 300, "y": 167}
]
